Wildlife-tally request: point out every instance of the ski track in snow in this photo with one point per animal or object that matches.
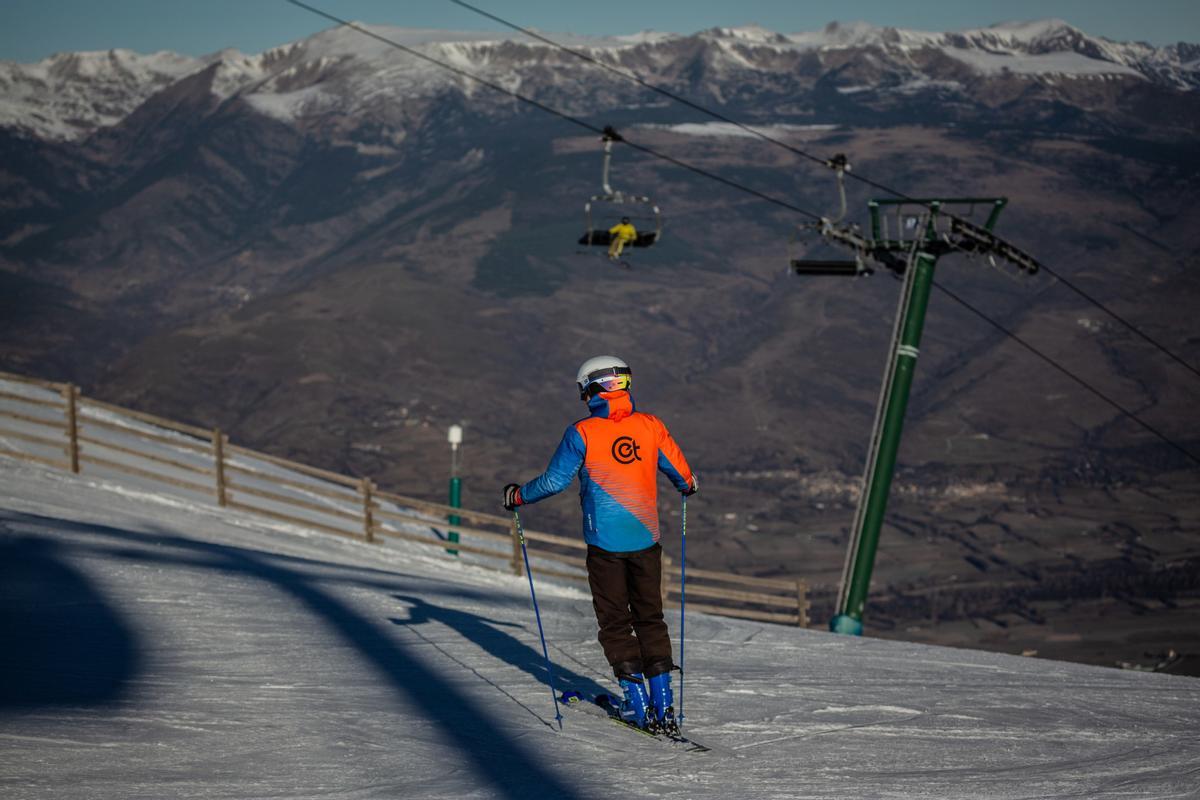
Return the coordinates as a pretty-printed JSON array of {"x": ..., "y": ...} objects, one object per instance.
[{"x": 171, "y": 648}]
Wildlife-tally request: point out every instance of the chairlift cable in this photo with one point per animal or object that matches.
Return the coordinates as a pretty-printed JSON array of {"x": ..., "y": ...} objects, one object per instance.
[
  {"x": 641, "y": 82},
  {"x": 965, "y": 304},
  {"x": 1122, "y": 320},
  {"x": 677, "y": 98},
  {"x": 760, "y": 195},
  {"x": 551, "y": 110},
  {"x": 802, "y": 153}
]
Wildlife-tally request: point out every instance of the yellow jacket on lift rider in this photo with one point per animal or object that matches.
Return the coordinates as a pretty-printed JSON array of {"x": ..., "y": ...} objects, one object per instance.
[{"x": 622, "y": 234}]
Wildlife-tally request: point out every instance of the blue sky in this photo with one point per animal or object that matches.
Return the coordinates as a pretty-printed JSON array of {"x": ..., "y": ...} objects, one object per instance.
[{"x": 33, "y": 29}]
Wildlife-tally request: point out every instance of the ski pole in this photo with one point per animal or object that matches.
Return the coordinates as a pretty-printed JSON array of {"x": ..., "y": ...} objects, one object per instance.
[
  {"x": 682, "y": 604},
  {"x": 538, "y": 615}
]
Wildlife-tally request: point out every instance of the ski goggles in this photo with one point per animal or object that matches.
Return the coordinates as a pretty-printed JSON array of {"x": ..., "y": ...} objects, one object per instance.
[{"x": 609, "y": 379}]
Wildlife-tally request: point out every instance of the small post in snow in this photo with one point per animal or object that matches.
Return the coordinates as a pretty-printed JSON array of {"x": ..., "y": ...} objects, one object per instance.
[
  {"x": 218, "y": 442},
  {"x": 367, "y": 489},
  {"x": 70, "y": 393},
  {"x": 455, "y": 436},
  {"x": 802, "y": 604}
]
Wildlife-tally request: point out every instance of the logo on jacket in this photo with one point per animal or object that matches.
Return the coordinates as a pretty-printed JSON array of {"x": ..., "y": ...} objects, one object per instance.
[{"x": 625, "y": 450}]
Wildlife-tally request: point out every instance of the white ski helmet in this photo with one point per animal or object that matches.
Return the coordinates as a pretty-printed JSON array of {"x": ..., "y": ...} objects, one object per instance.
[{"x": 608, "y": 373}]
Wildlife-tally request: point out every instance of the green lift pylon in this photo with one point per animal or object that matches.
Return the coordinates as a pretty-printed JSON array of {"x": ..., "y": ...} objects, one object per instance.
[{"x": 921, "y": 237}]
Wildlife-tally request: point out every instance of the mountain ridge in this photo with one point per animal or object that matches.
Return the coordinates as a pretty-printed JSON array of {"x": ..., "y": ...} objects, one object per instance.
[{"x": 68, "y": 96}]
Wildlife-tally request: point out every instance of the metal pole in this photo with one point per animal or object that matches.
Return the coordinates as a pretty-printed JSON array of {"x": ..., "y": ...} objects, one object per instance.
[
  {"x": 455, "y": 437},
  {"x": 607, "y": 160},
  {"x": 882, "y": 460},
  {"x": 682, "y": 603},
  {"x": 538, "y": 615},
  {"x": 454, "y": 519}
]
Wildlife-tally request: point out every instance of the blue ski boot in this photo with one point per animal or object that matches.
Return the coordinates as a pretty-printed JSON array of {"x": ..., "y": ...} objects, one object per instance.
[
  {"x": 663, "y": 701},
  {"x": 635, "y": 708}
]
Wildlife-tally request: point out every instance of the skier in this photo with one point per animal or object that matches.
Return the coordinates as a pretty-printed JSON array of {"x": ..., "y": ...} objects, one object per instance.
[
  {"x": 622, "y": 234},
  {"x": 615, "y": 451}
]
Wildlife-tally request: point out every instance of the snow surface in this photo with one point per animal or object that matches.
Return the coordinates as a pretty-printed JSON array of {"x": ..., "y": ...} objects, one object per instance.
[
  {"x": 728, "y": 129},
  {"x": 1073, "y": 64},
  {"x": 159, "y": 646}
]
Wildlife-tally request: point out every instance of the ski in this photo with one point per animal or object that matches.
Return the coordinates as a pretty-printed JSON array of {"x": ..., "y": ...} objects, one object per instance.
[{"x": 604, "y": 707}]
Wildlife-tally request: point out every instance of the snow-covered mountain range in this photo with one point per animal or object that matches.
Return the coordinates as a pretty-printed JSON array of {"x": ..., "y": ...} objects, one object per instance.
[{"x": 70, "y": 95}]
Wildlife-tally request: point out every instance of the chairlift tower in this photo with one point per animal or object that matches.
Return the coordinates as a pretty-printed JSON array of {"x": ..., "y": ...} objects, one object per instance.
[{"x": 907, "y": 237}]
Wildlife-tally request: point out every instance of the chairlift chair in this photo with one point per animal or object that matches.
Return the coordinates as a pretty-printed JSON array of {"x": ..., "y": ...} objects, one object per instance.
[
  {"x": 797, "y": 245},
  {"x": 616, "y": 204}
]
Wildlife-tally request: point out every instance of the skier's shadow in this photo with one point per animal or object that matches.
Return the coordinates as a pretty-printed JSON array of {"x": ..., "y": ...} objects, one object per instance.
[{"x": 503, "y": 646}]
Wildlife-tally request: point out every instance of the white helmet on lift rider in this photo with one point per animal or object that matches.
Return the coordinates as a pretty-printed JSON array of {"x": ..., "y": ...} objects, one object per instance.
[{"x": 605, "y": 373}]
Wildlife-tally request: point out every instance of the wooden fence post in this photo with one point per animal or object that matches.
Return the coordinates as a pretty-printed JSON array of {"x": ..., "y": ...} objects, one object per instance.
[
  {"x": 517, "y": 560},
  {"x": 218, "y": 441},
  {"x": 802, "y": 604},
  {"x": 70, "y": 393},
  {"x": 367, "y": 488}
]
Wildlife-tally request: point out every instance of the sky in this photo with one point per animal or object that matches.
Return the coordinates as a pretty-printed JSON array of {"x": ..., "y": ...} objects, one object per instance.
[{"x": 33, "y": 29}]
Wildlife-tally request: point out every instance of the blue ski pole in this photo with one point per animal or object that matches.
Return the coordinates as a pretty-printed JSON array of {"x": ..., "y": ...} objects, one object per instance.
[
  {"x": 682, "y": 603},
  {"x": 538, "y": 614}
]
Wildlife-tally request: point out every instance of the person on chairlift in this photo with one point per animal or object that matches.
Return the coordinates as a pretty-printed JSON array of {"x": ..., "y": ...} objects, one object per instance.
[{"x": 622, "y": 234}]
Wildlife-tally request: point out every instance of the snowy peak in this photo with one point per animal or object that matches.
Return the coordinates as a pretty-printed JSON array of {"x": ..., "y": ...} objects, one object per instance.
[
  {"x": 748, "y": 34},
  {"x": 341, "y": 70},
  {"x": 69, "y": 95},
  {"x": 1040, "y": 36},
  {"x": 1037, "y": 36},
  {"x": 857, "y": 34},
  {"x": 1039, "y": 47}
]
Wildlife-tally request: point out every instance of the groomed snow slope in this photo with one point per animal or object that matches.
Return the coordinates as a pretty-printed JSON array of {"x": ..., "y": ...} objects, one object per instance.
[{"x": 158, "y": 647}]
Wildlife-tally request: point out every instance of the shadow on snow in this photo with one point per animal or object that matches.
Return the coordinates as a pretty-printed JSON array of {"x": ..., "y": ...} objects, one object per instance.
[
  {"x": 488, "y": 634},
  {"x": 62, "y": 621},
  {"x": 63, "y": 642}
]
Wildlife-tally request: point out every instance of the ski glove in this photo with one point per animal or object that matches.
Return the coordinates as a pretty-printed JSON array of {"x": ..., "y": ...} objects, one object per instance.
[
  {"x": 512, "y": 496},
  {"x": 693, "y": 488}
]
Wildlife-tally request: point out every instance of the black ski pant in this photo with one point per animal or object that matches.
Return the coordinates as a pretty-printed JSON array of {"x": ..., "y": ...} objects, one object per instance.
[{"x": 627, "y": 596}]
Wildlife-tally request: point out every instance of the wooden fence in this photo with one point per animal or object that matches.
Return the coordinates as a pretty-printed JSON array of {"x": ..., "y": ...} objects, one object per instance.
[{"x": 65, "y": 430}]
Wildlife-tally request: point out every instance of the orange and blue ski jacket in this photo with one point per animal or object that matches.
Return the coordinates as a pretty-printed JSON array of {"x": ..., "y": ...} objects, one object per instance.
[{"x": 617, "y": 453}]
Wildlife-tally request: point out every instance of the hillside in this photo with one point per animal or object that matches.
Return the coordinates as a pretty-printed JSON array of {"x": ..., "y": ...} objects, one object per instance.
[{"x": 229, "y": 658}]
